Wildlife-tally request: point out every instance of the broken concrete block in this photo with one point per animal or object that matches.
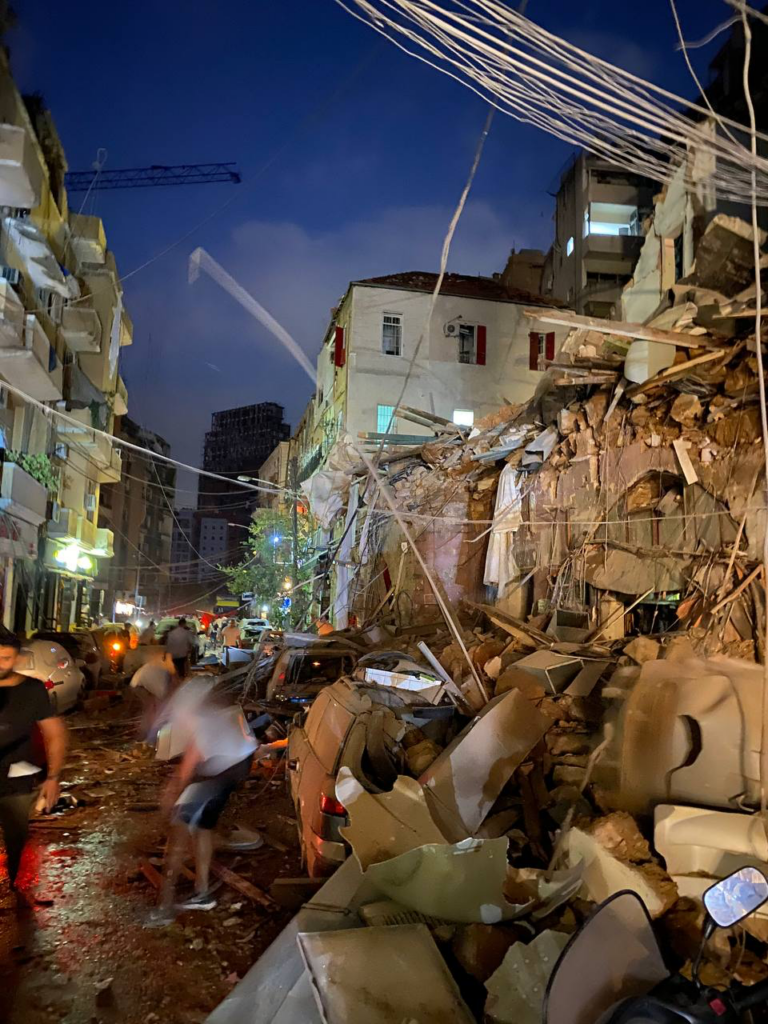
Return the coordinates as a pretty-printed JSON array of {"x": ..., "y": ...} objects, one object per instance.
[
  {"x": 679, "y": 648},
  {"x": 421, "y": 756},
  {"x": 606, "y": 874},
  {"x": 643, "y": 649},
  {"x": 686, "y": 409},
  {"x": 514, "y": 678},
  {"x": 481, "y": 948},
  {"x": 567, "y": 743},
  {"x": 618, "y": 834},
  {"x": 516, "y": 990}
]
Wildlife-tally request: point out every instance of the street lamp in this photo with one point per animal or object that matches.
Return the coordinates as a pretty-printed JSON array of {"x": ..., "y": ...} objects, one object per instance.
[{"x": 239, "y": 526}]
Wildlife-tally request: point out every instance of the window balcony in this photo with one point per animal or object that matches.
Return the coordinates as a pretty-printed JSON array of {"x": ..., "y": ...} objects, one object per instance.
[
  {"x": 21, "y": 176},
  {"x": 40, "y": 263},
  {"x": 86, "y": 533},
  {"x": 77, "y": 428},
  {"x": 11, "y": 316},
  {"x": 65, "y": 527},
  {"x": 105, "y": 543},
  {"x": 109, "y": 462},
  {"x": 121, "y": 398},
  {"x": 31, "y": 364},
  {"x": 21, "y": 496},
  {"x": 81, "y": 328},
  {"x": 89, "y": 242}
]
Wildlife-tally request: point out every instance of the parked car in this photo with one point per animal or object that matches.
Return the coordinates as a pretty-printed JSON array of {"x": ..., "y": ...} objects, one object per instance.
[
  {"x": 300, "y": 673},
  {"x": 81, "y": 645},
  {"x": 251, "y": 631},
  {"x": 48, "y": 661},
  {"x": 333, "y": 735}
]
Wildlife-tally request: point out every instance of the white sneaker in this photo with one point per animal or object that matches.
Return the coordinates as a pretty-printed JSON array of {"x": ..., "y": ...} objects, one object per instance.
[{"x": 200, "y": 901}]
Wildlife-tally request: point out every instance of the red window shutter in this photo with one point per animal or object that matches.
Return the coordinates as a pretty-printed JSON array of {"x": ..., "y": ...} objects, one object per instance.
[
  {"x": 550, "y": 346},
  {"x": 480, "y": 347},
  {"x": 533, "y": 357},
  {"x": 339, "y": 352}
]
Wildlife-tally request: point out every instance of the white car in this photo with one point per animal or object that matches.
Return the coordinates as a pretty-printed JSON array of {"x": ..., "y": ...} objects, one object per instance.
[
  {"x": 50, "y": 663},
  {"x": 251, "y": 629}
]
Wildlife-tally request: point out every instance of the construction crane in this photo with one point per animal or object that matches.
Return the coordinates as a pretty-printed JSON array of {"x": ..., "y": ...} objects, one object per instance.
[{"x": 151, "y": 177}]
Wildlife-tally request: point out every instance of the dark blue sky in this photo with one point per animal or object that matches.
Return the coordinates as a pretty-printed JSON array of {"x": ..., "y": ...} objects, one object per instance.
[{"x": 372, "y": 149}]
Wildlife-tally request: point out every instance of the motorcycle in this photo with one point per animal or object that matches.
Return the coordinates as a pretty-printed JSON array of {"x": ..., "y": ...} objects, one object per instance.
[{"x": 612, "y": 971}]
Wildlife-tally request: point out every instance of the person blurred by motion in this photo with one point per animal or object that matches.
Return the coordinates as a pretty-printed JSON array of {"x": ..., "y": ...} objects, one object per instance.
[
  {"x": 323, "y": 626},
  {"x": 148, "y": 633},
  {"x": 180, "y": 643},
  {"x": 24, "y": 708},
  {"x": 217, "y": 747},
  {"x": 153, "y": 684}
]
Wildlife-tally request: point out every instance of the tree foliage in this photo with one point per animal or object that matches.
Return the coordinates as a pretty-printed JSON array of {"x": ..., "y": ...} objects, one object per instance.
[{"x": 268, "y": 571}]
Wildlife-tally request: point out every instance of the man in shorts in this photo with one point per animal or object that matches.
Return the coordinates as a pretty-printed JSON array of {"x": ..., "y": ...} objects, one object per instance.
[{"x": 218, "y": 747}]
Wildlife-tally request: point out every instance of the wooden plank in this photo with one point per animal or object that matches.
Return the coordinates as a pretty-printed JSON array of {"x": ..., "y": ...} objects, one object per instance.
[
  {"x": 528, "y": 635},
  {"x": 242, "y": 885},
  {"x": 674, "y": 371},
  {"x": 691, "y": 477},
  {"x": 617, "y": 327},
  {"x": 151, "y": 874}
]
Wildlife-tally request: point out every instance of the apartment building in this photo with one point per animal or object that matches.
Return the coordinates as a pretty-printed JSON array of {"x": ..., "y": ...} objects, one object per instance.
[
  {"x": 62, "y": 325},
  {"x": 600, "y": 211},
  {"x": 184, "y": 567},
  {"x": 478, "y": 352},
  {"x": 276, "y": 471},
  {"x": 138, "y": 511}
]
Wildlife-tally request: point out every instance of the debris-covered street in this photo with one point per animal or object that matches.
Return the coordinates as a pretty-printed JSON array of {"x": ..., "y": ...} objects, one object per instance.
[{"x": 84, "y": 955}]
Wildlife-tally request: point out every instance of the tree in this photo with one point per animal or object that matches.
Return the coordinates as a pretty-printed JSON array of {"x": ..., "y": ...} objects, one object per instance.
[{"x": 270, "y": 570}]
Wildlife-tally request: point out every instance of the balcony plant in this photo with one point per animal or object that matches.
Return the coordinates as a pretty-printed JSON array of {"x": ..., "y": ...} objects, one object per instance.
[{"x": 39, "y": 467}]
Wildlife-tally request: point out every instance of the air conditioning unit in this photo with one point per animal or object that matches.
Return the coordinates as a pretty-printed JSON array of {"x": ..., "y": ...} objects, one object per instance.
[
  {"x": 90, "y": 503},
  {"x": 55, "y": 515},
  {"x": 11, "y": 274},
  {"x": 61, "y": 451},
  {"x": 451, "y": 329}
]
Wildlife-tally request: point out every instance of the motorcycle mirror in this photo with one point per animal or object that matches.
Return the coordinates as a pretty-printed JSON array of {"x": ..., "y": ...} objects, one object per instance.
[{"x": 736, "y": 896}]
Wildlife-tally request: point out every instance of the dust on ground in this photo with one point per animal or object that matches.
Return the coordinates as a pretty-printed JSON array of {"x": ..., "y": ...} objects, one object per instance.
[{"x": 83, "y": 956}]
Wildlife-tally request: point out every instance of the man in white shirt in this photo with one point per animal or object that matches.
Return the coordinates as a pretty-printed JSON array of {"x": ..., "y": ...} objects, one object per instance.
[
  {"x": 180, "y": 643},
  {"x": 153, "y": 684},
  {"x": 218, "y": 750}
]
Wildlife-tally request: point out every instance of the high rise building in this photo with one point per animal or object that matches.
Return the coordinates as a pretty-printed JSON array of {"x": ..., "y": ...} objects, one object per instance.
[
  {"x": 184, "y": 558},
  {"x": 238, "y": 443}
]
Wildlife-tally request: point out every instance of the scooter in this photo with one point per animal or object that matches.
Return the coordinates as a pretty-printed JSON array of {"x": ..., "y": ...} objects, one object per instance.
[{"x": 612, "y": 972}]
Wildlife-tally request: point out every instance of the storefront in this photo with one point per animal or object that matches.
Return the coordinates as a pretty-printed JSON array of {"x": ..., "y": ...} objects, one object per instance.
[{"x": 71, "y": 596}]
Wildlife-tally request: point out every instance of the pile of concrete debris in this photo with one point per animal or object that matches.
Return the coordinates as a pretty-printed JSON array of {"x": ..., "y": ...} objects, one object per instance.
[{"x": 607, "y": 688}]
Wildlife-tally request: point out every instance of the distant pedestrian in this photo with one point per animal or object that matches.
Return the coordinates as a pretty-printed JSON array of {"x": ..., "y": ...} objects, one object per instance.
[
  {"x": 180, "y": 643},
  {"x": 24, "y": 707},
  {"x": 148, "y": 633},
  {"x": 231, "y": 634}
]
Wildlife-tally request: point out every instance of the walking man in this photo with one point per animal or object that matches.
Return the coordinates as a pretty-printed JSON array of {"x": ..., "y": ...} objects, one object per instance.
[
  {"x": 153, "y": 684},
  {"x": 180, "y": 643},
  {"x": 218, "y": 746},
  {"x": 24, "y": 707}
]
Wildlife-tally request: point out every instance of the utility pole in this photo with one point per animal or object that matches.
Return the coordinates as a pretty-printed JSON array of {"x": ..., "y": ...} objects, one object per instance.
[{"x": 294, "y": 471}]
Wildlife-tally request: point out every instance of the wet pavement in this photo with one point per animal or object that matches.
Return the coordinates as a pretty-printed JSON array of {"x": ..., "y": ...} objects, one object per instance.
[{"x": 83, "y": 954}]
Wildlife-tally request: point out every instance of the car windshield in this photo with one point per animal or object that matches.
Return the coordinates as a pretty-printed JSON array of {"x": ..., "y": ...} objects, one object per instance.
[{"x": 307, "y": 665}]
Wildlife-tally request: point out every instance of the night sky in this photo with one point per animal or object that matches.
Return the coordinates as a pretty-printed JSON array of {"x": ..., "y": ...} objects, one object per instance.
[{"x": 367, "y": 150}]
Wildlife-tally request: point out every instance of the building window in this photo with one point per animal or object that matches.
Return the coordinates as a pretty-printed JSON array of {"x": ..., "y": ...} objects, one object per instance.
[
  {"x": 392, "y": 334},
  {"x": 467, "y": 349},
  {"x": 614, "y": 219},
  {"x": 569, "y": 246},
  {"x": 383, "y": 418},
  {"x": 463, "y": 417}
]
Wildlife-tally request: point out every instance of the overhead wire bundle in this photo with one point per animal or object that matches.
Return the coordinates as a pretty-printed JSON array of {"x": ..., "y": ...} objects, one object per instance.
[{"x": 538, "y": 78}]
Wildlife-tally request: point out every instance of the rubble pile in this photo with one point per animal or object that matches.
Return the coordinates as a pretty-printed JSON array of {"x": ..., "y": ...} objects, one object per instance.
[{"x": 602, "y": 680}]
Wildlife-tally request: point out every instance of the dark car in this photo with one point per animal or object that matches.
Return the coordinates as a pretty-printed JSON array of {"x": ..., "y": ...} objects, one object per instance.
[
  {"x": 300, "y": 673},
  {"x": 83, "y": 648}
]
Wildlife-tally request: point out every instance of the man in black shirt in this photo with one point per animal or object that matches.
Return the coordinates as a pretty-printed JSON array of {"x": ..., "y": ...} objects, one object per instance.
[{"x": 24, "y": 707}]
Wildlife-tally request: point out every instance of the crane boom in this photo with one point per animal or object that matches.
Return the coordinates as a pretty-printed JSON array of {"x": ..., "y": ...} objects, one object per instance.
[{"x": 151, "y": 177}]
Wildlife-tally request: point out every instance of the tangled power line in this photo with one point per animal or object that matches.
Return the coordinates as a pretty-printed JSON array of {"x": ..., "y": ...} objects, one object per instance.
[{"x": 540, "y": 79}]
